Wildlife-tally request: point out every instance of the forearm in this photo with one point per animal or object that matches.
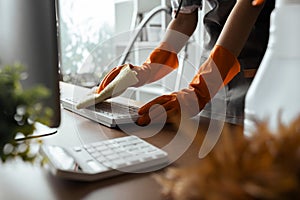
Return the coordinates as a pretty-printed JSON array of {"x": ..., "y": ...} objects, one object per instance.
[
  {"x": 163, "y": 59},
  {"x": 179, "y": 31},
  {"x": 222, "y": 64},
  {"x": 238, "y": 26}
]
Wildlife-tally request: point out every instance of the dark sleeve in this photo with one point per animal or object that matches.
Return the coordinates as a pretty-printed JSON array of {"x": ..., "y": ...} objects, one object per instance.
[
  {"x": 254, "y": 49},
  {"x": 188, "y": 6}
]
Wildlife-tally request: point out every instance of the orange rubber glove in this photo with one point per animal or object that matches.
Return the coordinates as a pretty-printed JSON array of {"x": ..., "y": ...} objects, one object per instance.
[
  {"x": 257, "y": 2},
  {"x": 160, "y": 62},
  {"x": 213, "y": 74},
  {"x": 109, "y": 77}
]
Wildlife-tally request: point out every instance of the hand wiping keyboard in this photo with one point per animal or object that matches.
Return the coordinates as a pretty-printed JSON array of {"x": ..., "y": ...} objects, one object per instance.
[{"x": 121, "y": 82}]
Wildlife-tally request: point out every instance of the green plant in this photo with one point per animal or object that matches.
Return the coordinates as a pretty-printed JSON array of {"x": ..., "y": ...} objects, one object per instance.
[{"x": 20, "y": 109}]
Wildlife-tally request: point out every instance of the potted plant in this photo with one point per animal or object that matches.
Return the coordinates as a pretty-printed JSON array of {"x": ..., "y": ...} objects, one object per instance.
[{"x": 20, "y": 109}]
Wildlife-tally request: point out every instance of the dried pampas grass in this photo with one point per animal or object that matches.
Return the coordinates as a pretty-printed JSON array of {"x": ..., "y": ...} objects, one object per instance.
[{"x": 265, "y": 166}]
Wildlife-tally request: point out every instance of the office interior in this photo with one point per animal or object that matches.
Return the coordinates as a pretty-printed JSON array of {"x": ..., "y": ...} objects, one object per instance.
[{"x": 96, "y": 36}]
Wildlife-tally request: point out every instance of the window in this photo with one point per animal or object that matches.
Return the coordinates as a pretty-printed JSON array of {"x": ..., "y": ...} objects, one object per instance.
[{"x": 83, "y": 26}]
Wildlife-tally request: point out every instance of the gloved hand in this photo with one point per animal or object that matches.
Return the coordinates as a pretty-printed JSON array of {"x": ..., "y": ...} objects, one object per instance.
[
  {"x": 109, "y": 77},
  {"x": 176, "y": 105},
  {"x": 216, "y": 72},
  {"x": 170, "y": 104},
  {"x": 160, "y": 62}
]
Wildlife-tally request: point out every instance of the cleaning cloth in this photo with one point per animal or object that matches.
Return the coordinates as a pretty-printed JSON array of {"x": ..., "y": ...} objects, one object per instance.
[{"x": 119, "y": 84}]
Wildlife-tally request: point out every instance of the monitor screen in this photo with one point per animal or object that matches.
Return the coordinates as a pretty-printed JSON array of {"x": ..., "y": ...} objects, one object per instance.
[{"x": 28, "y": 35}]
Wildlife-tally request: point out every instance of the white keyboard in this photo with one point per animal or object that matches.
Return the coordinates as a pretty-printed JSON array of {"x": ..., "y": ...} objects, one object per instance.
[
  {"x": 110, "y": 113},
  {"x": 104, "y": 159}
]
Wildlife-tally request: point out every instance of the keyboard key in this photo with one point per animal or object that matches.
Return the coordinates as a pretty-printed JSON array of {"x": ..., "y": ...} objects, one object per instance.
[
  {"x": 117, "y": 155},
  {"x": 107, "y": 152},
  {"x": 119, "y": 163},
  {"x": 96, "y": 167},
  {"x": 77, "y": 149}
]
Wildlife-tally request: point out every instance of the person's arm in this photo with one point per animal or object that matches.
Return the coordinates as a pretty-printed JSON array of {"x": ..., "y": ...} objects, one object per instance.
[
  {"x": 221, "y": 66},
  {"x": 163, "y": 59},
  {"x": 184, "y": 24},
  {"x": 238, "y": 26}
]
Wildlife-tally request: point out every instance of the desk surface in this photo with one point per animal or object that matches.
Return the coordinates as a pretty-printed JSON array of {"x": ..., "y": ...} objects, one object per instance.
[{"x": 21, "y": 180}]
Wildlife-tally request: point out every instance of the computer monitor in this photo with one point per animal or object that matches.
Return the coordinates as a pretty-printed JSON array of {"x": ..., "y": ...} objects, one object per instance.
[{"x": 28, "y": 35}]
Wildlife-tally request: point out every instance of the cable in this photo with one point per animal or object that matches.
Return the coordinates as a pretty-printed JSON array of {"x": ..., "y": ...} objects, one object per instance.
[{"x": 177, "y": 11}]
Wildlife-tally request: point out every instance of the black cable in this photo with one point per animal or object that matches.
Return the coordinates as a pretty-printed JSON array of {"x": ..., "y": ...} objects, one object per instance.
[{"x": 177, "y": 11}]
